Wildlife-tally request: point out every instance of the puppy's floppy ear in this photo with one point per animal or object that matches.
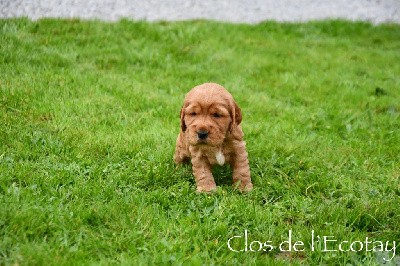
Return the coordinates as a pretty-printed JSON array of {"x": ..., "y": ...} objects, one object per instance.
[
  {"x": 182, "y": 115},
  {"x": 236, "y": 114}
]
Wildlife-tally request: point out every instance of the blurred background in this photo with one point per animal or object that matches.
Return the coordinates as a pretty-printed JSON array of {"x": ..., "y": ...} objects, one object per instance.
[{"x": 249, "y": 11}]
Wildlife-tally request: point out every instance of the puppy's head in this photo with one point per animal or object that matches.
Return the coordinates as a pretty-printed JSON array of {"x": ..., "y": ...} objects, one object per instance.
[{"x": 209, "y": 114}]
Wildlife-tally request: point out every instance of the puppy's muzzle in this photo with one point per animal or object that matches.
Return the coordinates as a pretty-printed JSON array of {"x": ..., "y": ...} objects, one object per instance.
[{"x": 202, "y": 134}]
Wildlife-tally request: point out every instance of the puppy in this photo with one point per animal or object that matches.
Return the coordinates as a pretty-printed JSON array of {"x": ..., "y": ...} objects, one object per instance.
[{"x": 211, "y": 134}]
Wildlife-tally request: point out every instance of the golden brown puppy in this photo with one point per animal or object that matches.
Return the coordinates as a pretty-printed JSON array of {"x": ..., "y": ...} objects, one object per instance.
[{"x": 211, "y": 134}]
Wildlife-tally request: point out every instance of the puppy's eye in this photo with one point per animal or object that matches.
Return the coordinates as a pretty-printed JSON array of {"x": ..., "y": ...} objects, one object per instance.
[
  {"x": 216, "y": 115},
  {"x": 193, "y": 113}
]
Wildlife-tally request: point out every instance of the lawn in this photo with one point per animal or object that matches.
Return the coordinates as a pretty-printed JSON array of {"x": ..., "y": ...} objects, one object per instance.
[{"x": 89, "y": 114}]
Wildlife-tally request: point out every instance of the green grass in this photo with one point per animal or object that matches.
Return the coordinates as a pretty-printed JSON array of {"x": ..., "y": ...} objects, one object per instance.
[{"x": 89, "y": 114}]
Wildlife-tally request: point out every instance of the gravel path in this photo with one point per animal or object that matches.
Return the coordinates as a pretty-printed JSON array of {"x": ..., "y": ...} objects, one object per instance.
[{"x": 248, "y": 11}]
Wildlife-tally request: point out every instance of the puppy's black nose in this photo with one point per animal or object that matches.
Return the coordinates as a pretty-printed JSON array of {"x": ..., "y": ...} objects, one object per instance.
[{"x": 202, "y": 134}]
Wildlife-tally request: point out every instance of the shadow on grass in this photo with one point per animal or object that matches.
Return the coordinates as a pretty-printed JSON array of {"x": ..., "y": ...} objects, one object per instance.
[{"x": 222, "y": 175}]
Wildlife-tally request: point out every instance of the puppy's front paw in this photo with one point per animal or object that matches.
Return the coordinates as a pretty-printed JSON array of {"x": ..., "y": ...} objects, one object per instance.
[
  {"x": 208, "y": 188},
  {"x": 243, "y": 186}
]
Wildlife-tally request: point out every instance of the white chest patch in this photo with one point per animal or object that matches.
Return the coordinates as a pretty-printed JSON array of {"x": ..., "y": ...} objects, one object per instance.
[{"x": 220, "y": 158}]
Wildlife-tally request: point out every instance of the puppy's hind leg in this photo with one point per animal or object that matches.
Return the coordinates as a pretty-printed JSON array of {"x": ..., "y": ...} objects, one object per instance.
[
  {"x": 180, "y": 158},
  {"x": 181, "y": 154}
]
